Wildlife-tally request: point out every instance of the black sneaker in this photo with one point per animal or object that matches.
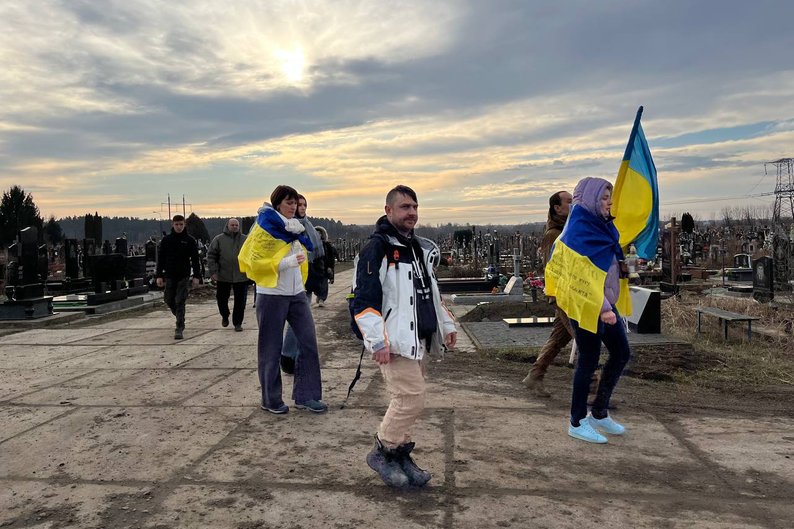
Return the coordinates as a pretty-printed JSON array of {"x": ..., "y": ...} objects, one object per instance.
[
  {"x": 238, "y": 328},
  {"x": 316, "y": 406},
  {"x": 277, "y": 410},
  {"x": 225, "y": 321},
  {"x": 178, "y": 334}
]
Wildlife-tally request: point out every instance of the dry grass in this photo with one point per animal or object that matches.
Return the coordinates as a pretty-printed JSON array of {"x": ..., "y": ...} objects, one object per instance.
[{"x": 763, "y": 365}]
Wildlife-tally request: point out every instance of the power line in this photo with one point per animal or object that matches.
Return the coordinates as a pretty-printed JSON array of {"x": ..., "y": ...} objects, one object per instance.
[{"x": 717, "y": 199}]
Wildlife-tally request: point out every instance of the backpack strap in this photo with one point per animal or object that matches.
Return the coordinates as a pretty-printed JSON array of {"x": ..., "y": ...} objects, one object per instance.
[{"x": 355, "y": 378}]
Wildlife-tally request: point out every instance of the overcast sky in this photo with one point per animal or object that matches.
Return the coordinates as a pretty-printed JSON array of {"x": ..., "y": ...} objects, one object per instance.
[{"x": 485, "y": 108}]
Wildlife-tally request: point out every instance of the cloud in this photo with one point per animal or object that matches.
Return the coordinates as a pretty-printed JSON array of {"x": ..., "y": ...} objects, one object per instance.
[{"x": 471, "y": 103}]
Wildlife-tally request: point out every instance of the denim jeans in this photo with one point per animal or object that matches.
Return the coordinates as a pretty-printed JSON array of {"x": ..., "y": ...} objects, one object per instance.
[
  {"x": 291, "y": 348},
  {"x": 589, "y": 345},
  {"x": 272, "y": 312}
]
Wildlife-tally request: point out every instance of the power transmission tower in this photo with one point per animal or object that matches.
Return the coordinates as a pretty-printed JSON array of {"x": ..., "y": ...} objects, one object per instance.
[{"x": 783, "y": 221}]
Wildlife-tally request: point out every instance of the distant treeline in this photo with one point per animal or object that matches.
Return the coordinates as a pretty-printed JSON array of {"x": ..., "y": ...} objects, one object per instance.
[{"x": 139, "y": 231}]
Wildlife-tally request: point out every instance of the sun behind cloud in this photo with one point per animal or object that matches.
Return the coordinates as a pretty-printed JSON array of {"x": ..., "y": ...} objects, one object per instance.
[{"x": 293, "y": 64}]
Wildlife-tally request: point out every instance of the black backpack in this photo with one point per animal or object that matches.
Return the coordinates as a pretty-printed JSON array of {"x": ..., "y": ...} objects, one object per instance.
[
  {"x": 354, "y": 326},
  {"x": 352, "y": 295}
]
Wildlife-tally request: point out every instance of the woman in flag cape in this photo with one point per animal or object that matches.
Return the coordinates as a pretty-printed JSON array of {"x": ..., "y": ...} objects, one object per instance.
[
  {"x": 583, "y": 273},
  {"x": 274, "y": 256}
]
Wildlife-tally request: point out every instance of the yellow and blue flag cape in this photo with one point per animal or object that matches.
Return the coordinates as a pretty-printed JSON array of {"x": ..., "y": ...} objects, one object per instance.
[
  {"x": 266, "y": 245},
  {"x": 577, "y": 269},
  {"x": 635, "y": 200}
]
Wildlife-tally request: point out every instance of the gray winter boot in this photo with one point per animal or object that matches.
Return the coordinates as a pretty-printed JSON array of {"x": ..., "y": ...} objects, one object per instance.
[
  {"x": 386, "y": 463},
  {"x": 416, "y": 475}
]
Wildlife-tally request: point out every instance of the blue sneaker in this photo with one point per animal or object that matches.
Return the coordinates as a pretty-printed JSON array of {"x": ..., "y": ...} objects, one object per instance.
[
  {"x": 606, "y": 425},
  {"x": 585, "y": 432},
  {"x": 316, "y": 406},
  {"x": 277, "y": 410}
]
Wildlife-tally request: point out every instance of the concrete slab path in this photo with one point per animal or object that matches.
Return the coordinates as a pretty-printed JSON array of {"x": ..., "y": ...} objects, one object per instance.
[{"x": 118, "y": 425}]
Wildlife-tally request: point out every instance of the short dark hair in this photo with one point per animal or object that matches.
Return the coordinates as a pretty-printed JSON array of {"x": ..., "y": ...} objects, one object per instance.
[
  {"x": 282, "y": 193},
  {"x": 391, "y": 196},
  {"x": 178, "y": 218},
  {"x": 555, "y": 200}
]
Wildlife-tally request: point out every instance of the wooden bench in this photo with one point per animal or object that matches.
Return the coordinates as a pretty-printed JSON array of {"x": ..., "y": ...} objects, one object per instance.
[{"x": 726, "y": 317}]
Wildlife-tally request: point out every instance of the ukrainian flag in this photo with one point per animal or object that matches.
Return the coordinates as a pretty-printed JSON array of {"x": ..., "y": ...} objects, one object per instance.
[
  {"x": 577, "y": 269},
  {"x": 635, "y": 200},
  {"x": 266, "y": 245}
]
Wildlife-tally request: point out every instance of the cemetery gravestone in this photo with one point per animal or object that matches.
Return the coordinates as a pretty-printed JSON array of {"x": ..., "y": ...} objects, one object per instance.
[{"x": 763, "y": 279}]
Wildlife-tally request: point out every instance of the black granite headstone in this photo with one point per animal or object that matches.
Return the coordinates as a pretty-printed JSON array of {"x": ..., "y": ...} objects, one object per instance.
[
  {"x": 108, "y": 270},
  {"x": 136, "y": 267},
  {"x": 121, "y": 246},
  {"x": 71, "y": 258},
  {"x": 763, "y": 279},
  {"x": 151, "y": 250},
  {"x": 89, "y": 249}
]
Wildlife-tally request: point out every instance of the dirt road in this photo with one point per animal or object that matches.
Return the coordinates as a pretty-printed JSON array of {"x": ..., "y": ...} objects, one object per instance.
[{"x": 117, "y": 425}]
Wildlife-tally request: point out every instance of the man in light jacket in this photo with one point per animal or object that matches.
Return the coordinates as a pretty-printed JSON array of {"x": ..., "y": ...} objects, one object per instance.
[
  {"x": 225, "y": 272},
  {"x": 399, "y": 311}
]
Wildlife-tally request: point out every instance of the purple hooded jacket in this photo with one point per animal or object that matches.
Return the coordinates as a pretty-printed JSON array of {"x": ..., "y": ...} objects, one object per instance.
[{"x": 587, "y": 194}]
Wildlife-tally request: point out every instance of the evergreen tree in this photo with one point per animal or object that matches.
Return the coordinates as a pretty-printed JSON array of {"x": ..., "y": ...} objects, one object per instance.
[
  {"x": 17, "y": 211},
  {"x": 195, "y": 228},
  {"x": 52, "y": 231},
  {"x": 93, "y": 227}
]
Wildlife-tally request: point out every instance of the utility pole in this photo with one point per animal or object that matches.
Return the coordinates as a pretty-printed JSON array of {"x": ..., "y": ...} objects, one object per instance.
[{"x": 782, "y": 245}]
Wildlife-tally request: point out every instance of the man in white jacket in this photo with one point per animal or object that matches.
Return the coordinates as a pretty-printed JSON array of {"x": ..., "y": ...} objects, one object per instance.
[{"x": 401, "y": 316}]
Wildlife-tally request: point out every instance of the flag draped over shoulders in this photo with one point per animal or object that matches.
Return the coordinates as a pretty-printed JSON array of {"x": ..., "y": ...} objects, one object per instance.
[
  {"x": 635, "y": 201},
  {"x": 266, "y": 245},
  {"x": 578, "y": 266}
]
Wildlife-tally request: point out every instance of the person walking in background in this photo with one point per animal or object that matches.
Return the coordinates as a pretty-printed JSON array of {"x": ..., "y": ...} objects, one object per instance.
[
  {"x": 398, "y": 309},
  {"x": 225, "y": 272},
  {"x": 177, "y": 259},
  {"x": 274, "y": 256},
  {"x": 588, "y": 256},
  {"x": 326, "y": 267},
  {"x": 561, "y": 332}
]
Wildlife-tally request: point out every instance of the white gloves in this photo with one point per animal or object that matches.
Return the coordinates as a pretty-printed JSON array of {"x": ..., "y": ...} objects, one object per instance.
[{"x": 294, "y": 226}]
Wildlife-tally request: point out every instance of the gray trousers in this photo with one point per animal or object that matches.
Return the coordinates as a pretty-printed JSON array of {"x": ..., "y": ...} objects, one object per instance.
[
  {"x": 175, "y": 296},
  {"x": 272, "y": 312}
]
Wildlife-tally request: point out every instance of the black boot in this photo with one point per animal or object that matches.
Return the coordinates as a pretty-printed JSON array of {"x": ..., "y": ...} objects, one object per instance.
[
  {"x": 416, "y": 475},
  {"x": 386, "y": 463}
]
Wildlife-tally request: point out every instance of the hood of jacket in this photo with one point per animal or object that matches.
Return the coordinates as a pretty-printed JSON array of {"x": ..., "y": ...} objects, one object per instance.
[
  {"x": 227, "y": 231},
  {"x": 588, "y": 193},
  {"x": 555, "y": 222},
  {"x": 384, "y": 227}
]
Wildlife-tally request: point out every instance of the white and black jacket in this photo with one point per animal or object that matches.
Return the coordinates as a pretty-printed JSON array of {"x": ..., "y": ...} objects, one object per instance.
[{"x": 384, "y": 304}]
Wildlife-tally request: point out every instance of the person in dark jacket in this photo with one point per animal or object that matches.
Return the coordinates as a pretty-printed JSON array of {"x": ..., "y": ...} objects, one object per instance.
[
  {"x": 561, "y": 333},
  {"x": 177, "y": 261},
  {"x": 225, "y": 272},
  {"x": 326, "y": 265}
]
